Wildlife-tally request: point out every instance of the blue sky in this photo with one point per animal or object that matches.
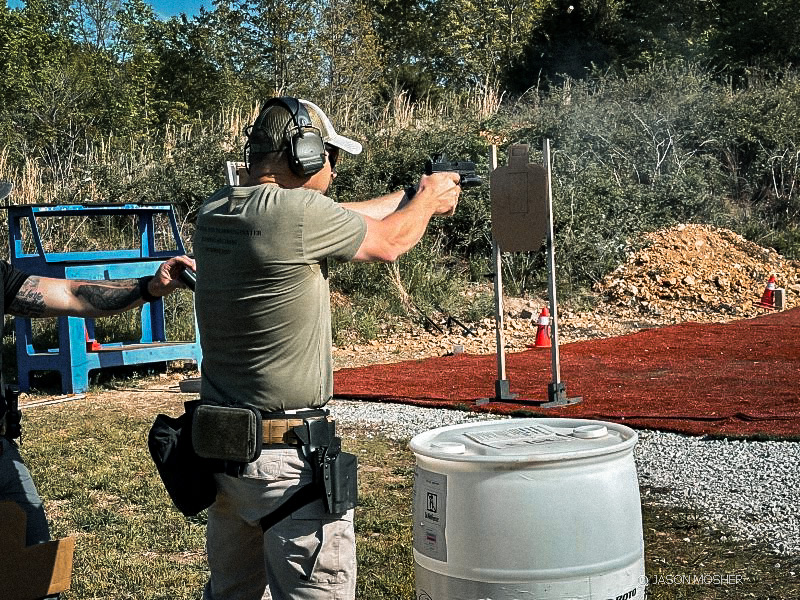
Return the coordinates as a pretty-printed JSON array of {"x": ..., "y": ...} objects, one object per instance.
[
  {"x": 167, "y": 8},
  {"x": 163, "y": 8}
]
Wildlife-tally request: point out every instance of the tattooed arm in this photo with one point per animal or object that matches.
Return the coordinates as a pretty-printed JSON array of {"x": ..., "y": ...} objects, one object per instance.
[{"x": 49, "y": 297}]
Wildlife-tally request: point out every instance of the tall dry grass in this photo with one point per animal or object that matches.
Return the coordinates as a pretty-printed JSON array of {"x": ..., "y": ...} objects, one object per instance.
[
  {"x": 401, "y": 112},
  {"x": 67, "y": 175}
]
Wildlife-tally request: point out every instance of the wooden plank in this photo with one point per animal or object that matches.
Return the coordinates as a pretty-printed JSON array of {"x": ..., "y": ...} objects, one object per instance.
[{"x": 36, "y": 571}]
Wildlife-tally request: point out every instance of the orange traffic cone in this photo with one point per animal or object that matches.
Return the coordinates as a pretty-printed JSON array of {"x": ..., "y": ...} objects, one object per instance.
[
  {"x": 768, "y": 298},
  {"x": 543, "y": 332}
]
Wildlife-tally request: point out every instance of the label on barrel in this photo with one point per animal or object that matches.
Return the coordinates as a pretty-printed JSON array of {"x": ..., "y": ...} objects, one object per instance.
[
  {"x": 517, "y": 436},
  {"x": 430, "y": 513}
]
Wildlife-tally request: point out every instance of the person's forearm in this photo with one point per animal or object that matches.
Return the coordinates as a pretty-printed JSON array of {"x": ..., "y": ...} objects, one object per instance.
[
  {"x": 380, "y": 207},
  {"x": 56, "y": 297},
  {"x": 399, "y": 230},
  {"x": 396, "y": 233},
  {"x": 102, "y": 298},
  {"x": 409, "y": 224},
  {"x": 45, "y": 297}
]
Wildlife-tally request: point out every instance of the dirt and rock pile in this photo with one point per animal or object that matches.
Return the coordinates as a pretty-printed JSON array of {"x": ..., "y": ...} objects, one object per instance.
[
  {"x": 685, "y": 273},
  {"x": 698, "y": 272}
]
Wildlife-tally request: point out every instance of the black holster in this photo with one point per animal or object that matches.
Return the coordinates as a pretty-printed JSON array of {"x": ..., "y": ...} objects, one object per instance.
[
  {"x": 335, "y": 473},
  {"x": 9, "y": 411}
]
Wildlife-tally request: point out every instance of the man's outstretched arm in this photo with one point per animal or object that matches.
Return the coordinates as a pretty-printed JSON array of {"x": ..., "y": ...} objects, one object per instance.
[
  {"x": 396, "y": 232},
  {"x": 50, "y": 297}
]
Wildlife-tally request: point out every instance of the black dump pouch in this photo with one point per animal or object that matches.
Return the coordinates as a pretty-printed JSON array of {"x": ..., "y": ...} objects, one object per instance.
[
  {"x": 188, "y": 478},
  {"x": 229, "y": 433}
]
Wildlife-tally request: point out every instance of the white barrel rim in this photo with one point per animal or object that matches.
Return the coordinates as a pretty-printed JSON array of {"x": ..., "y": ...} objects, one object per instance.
[{"x": 419, "y": 446}]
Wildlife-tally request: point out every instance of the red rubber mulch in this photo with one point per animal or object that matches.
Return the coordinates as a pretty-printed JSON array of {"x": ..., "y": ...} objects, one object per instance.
[{"x": 740, "y": 379}]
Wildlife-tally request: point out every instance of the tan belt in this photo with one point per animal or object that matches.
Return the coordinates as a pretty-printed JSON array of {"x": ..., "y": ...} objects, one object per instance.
[{"x": 279, "y": 431}]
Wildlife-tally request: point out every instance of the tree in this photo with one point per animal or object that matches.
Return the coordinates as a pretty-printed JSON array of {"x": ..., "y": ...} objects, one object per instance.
[
  {"x": 430, "y": 44},
  {"x": 350, "y": 65},
  {"x": 754, "y": 33},
  {"x": 136, "y": 67},
  {"x": 36, "y": 91},
  {"x": 95, "y": 22},
  {"x": 571, "y": 39},
  {"x": 279, "y": 38},
  {"x": 405, "y": 32},
  {"x": 729, "y": 36},
  {"x": 482, "y": 39}
]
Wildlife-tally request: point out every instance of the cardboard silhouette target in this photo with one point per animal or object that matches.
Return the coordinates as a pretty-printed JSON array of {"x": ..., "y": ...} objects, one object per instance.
[
  {"x": 33, "y": 571},
  {"x": 519, "y": 202}
]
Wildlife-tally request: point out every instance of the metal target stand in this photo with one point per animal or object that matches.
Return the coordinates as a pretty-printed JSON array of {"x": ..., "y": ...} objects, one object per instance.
[{"x": 557, "y": 389}]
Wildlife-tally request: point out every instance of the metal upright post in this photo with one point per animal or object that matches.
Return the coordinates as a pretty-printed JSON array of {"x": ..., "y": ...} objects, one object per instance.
[
  {"x": 556, "y": 390},
  {"x": 501, "y": 385}
]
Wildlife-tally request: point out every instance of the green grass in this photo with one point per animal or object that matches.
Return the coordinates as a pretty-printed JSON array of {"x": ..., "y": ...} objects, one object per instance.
[
  {"x": 93, "y": 470},
  {"x": 685, "y": 555}
]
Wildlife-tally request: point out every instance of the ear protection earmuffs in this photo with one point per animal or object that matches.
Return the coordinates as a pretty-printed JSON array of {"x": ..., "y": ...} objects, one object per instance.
[{"x": 306, "y": 147}]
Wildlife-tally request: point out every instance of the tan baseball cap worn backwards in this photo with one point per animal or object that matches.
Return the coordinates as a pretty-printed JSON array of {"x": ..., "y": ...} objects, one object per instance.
[{"x": 329, "y": 135}]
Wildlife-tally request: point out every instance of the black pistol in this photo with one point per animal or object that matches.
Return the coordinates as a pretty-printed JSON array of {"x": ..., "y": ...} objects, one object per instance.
[
  {"x": 188, "y": 277},
  {"x": 438, "y": 163}
]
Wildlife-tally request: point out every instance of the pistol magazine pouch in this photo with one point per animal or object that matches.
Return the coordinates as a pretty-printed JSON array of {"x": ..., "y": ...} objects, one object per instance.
[{"x": 230, "y": 433}]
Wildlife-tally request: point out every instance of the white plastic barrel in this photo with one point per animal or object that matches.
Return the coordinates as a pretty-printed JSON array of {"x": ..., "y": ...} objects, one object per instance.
[{"x": 527, "y": 509}]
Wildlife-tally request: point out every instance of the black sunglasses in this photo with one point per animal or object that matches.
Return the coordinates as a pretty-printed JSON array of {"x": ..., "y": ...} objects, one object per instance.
[{"x": 333, "y": 155}]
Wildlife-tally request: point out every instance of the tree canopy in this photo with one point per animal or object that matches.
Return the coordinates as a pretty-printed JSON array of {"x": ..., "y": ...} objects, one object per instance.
[{"x": 92, "y": 67}]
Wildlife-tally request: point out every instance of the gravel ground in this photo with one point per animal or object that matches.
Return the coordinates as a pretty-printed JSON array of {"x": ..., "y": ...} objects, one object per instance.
[{"x": 751, "y": 487}]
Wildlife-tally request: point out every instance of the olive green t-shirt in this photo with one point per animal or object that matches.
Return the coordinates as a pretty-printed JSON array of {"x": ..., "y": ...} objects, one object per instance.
[{"x": 262, "y": 295}]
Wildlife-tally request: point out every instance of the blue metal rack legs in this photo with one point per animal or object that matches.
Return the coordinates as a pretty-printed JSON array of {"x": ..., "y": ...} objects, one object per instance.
[{"x": 77, "y": 353}]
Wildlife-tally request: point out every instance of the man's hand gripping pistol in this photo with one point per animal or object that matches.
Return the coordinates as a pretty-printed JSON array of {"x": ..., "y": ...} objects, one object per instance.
[{"x": 438, "y": 163}]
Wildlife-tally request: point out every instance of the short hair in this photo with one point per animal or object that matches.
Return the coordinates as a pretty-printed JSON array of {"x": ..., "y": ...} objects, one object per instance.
[{"x": 272, "y": 161}]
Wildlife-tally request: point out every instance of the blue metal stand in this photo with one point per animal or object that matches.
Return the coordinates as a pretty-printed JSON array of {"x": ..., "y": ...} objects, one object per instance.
[{"x": 77, "y": 353}]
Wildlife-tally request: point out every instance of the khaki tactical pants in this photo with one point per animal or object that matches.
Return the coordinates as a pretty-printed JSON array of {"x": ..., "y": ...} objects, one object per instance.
[{"x": 309, "y": 555}]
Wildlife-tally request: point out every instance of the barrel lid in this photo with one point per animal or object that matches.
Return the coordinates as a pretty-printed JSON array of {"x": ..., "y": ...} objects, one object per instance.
[{"x": 524, "y": 440}]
